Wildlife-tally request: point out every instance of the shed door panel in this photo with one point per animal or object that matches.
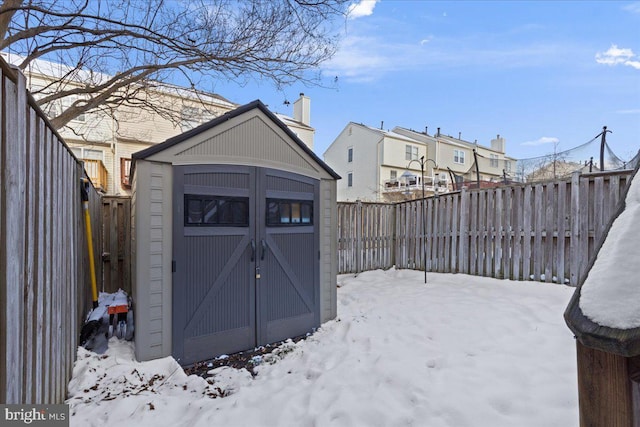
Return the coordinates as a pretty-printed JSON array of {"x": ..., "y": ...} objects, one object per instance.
[
  {"x": 288, "y": 291},
  {"x": 213, "y": 288}
]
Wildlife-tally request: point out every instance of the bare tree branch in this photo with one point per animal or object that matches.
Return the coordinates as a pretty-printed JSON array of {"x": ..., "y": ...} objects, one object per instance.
[{"x": 112, "y": 48}]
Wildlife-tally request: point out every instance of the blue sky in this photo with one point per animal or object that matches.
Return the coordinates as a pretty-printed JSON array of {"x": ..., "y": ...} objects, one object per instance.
[{"x": 538, "y": 73}]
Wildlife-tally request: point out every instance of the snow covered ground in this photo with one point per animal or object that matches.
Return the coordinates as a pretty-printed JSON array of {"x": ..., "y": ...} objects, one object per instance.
[{"x": 459, "y": 351}]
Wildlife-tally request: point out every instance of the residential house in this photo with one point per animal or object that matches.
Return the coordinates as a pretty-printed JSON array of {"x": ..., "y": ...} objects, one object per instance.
[
  {"x": 382, "y": 165},
  {"x": 455, "y": 156},
  {"x": 105, "y": 139},
  {"x": 300, "y": 123}
]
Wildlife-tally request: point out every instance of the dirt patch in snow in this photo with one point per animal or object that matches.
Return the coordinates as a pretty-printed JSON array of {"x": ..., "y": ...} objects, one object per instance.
[{"x": 248, "y": 359}]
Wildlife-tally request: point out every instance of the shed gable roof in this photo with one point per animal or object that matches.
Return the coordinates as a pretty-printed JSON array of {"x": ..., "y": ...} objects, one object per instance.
[
  {"x": 277, "y": 143},
  {"x": 237, "y": 142}
]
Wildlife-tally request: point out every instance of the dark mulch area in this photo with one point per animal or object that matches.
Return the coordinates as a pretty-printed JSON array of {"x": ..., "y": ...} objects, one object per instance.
[{"x": 243, "y": 359}]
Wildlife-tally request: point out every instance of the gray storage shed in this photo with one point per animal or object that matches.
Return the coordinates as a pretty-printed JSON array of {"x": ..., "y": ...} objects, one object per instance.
[{"x": 234, "y": 226}]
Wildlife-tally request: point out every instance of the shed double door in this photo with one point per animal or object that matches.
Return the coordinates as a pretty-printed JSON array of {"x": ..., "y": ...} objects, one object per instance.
[{"x": 246, "y": 259}]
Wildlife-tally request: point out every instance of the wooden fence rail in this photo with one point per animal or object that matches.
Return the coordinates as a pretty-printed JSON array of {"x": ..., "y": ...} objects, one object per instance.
[
  {"x": 44, "y": 272},
  {"x": 542, "y": 231}
]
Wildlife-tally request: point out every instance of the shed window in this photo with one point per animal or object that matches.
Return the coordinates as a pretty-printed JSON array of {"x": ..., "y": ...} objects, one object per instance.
[
  {"x": 211, "y": 211},
  {"x": 289, "y": 212}
]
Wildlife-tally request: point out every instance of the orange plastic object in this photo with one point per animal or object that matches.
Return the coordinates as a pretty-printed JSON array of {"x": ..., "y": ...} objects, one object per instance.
[{"x": 115, "y": 309}]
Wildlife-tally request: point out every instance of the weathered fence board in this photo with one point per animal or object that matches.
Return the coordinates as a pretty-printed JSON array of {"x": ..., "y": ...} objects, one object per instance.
[
  {"x": 116, "y": 238},
  {"x": 366, "y": 239},
  {"x": 543, "y": 231},
  {"x": 43, "y": 268}
]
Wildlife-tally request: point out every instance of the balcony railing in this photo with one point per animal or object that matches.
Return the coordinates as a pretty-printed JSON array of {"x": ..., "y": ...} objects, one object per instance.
[
  {"x": 402, "y": 184},
  {"x": 97, "y": 173}
]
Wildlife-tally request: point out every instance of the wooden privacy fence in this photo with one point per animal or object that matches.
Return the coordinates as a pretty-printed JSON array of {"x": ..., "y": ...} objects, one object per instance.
[
  {"x": 542, "y": 231},
  {"x": 44, "y": 274},
  {"x": 116, "y": 252},
  {"x": 366, "y": 236}
]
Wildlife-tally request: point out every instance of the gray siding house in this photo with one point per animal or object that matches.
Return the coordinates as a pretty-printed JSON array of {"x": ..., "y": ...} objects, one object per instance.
[{"x": 234, "y": 226}]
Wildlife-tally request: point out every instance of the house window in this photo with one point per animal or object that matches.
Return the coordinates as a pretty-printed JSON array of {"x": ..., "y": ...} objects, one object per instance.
[
  {"x": 289, "y": 212},
  {"x": 410, "y": 152},
  {"x": 393, "y": 175},
  {"x": 493, "y": 160},
  {"x": 507, "y": 165},
  {"x": 458, "y": 156},
  {"x": 125, "y": 168},
  {"x": 211, "y": 211},
  {"x": 88, "y": 153},
  {"x": 350, "y": 155},
  {"x": 67, "y": 103},
  {"x": 350, "y": 179}
]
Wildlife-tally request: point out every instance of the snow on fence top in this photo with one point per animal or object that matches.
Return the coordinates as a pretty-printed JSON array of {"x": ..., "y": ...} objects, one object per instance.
[
  {"x": 611, "y": 292},
  {"x": 604, "y": 312}
]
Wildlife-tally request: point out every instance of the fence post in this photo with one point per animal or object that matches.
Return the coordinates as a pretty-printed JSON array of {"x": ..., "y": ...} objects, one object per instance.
[
  {"x": 114, "y": 274},
  {"x": 358, "y": 236},
  {"x": 575, "y": 229},
  {"x": 463, "y": 250}
]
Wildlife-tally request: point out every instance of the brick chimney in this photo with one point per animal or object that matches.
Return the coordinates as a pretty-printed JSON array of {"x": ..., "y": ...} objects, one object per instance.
[{"x": 302, "y": 110}]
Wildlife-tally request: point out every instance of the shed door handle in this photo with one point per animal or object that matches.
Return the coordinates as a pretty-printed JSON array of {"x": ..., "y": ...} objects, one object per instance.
[
  {"x": 264, "y": 249},
  {"x": 253, "y": 250}
]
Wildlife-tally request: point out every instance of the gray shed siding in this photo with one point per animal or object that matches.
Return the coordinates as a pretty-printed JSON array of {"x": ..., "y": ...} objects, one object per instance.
[
  {"x": 152, "y": 246},
  {"x": 328, "y": 250}
]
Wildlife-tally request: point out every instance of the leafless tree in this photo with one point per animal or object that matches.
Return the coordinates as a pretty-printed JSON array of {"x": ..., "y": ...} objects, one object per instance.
[{"x": 119, "y": 48}]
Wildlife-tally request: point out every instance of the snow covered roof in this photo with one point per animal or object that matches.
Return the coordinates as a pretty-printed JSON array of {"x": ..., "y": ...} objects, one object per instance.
[
  {"x": 57, "y": 70},
  {"x": 291, "y": 121},
  {"x": 605, "y": 310},
  {"x": 388, "y": 133}
]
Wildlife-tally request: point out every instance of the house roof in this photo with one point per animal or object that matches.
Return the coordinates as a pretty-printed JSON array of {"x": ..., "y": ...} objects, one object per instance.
[
  {"x": 72, "y": 74},
  {"x": 388, "y": 133},
  {"x": 257, "y": 104},
  {"x": 452, "y": 141},
  {"x": 603, "y": 312},
  {"x": 292, "y": 121}
]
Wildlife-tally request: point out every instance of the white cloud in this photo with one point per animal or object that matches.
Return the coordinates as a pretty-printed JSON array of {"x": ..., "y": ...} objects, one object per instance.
[
  {"x": 362, "y": 8},
  {"x": 631, "y": 111},
  {"x": 634, "y": 64},
  {"x": 543, "y": 141},
  {"x": 617, "y": 56},
  {"x": 356, "y": 61},
  {"x": 367, "y": 58},
  {"x": 632, "y": 7}
]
